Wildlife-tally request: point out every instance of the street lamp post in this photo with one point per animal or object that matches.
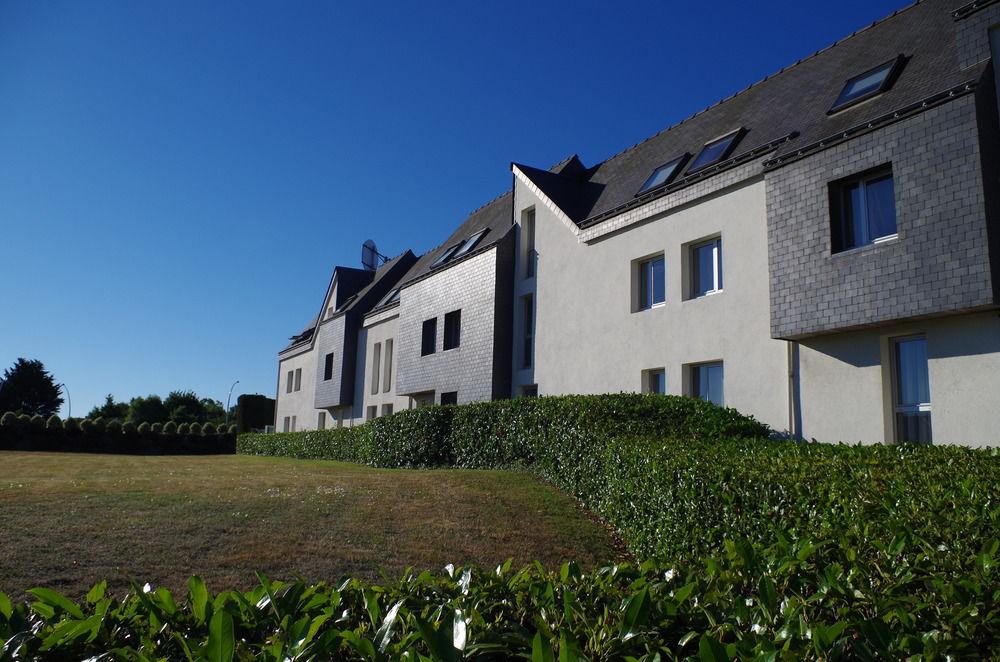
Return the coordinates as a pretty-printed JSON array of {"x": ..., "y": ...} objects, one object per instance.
[
  {"x": 228, "y": 398},
  {"x": 69, "y": 401}
]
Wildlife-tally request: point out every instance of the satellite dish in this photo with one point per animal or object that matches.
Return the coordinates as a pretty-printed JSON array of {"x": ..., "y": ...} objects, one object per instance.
[{"x": 369, "y": 255}]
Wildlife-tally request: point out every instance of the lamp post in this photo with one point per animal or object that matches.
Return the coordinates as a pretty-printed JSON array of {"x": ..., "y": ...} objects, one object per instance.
[
  {"x": 69, "y": 401},
  {"x": 228, "y": 398}
]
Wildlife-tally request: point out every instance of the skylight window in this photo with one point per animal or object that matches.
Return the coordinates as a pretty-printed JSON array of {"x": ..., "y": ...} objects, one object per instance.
[
  {"x": 446, "y": 255},
  {"x": 470, "y": 243},
  {"x": 392, "y": 297},
  {"x": 866, "y": 85},
  {"x": 663, "y": 174},
  {"x": 716, "y": 150}
]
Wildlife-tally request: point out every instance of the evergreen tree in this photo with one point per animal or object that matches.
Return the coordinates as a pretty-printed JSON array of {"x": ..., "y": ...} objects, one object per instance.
[{"x": 28, "y": 388}]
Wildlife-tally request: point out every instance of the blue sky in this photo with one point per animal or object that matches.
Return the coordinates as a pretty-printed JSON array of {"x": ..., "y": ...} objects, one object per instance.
[{"x": 178, "y": 179}]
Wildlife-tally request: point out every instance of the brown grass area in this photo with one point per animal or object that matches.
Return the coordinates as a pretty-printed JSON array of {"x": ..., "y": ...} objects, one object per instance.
[{"x": 68, "y": 521}]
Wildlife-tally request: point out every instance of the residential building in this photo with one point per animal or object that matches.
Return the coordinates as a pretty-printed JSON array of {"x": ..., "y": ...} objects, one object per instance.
[{"x": 820, "y": 250}]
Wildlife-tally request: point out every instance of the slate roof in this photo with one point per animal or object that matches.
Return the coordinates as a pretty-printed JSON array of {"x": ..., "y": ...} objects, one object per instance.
[{"x": 788, "y": 108}]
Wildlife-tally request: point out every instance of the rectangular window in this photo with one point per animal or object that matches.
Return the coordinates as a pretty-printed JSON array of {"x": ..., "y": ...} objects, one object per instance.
[
  {"x": 912, "y": 390},
  {"x": 706, "y": 268},
  {"x": 528, "y": 349},
  {"x": 528, "y": 239},
  {"x": 372, "y": 412},
  {"x": 376, "y": 366},
  {"x": 298, "y": 379},
  {"x": 663, "y": 174},
  {"x": 287, "y": 426},
  {"x": 452, "y": 329},
  {"x": 449, "y": 398},
  {"x": 291, "y": 381},
  {"x": 652, "y": 282},
  {"x": 294, "y": 422},
  {"x": 716, "y": 150},
  {"x": 866, "y": 85},
  {"x": 469, "y": 244},
  {"x": 387, "y": 377},
  {"x": 428, "y": 336},
  {"x": 321, "y": 420},
  {"x": 654, "y": 381},
  {"x": 328, "y": 367},
  {"x": 706, "y": 382},
  {"x": 863, "y": 210},
  {"x": 386, "y": 410}
]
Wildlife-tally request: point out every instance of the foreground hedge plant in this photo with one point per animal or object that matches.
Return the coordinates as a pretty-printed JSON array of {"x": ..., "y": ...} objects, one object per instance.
[{"x": 783, "y": 602}]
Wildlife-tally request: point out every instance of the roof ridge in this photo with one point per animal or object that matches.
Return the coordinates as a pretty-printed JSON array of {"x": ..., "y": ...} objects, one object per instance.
[
  {"x": 487, "y": 204},
  {"x": 840, "y": 41}
]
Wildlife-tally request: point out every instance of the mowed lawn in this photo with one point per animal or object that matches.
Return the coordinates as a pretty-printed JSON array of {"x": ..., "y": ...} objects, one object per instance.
[{"x": 68, "y": 521}]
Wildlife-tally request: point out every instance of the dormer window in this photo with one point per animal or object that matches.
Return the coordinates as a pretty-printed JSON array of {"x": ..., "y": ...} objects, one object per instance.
[
  {"x": 663, "y": 175},
  {"x": 716, "y": 150},
  {"x": 867, "y": 85}
]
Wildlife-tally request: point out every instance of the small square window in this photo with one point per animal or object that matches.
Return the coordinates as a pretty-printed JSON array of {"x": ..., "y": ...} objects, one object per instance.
[
  {"x": 654, "y": 381},
  {"x": 652, "y": 282},
  {"x": 371, "y": 412},
  {"x": 386, "y": 410},
  {"x": 449, "y": 398},
  {"x": 452, "y": 329},
  {"x": 863, "y": 210},
  {"x": 706, "y": 382},
  {"x": 716, "y": 150},
  {"x": 428, "y": 337},
  {"x": 706, "y": 268},
  {"x": 866, "y": 85},
  {"x": 663, "y": 175}
]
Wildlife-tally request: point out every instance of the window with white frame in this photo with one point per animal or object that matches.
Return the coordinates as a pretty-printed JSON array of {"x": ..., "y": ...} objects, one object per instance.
[
  {"x": 654, "y": 381},
  {"x": 707, "y": 382},
  {"x": 706, "y": 267},
  {"x": 376, "y": 366},
  {"x": 862, "y": 210},
  {"x": 911, "y": 390},
  {"x": 387, "y": 377},
  {"x": 651, "y": 282}
]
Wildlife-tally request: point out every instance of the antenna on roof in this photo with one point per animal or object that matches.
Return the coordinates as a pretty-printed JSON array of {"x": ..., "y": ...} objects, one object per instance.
[{"x": 370, "y": 257}]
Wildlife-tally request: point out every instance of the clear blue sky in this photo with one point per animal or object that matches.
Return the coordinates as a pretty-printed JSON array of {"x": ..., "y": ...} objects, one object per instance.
[{"x": 178, "y": 179}]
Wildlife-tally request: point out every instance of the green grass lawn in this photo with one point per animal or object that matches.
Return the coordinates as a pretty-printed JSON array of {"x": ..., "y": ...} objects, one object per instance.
[{"x": 70, "y": 520}]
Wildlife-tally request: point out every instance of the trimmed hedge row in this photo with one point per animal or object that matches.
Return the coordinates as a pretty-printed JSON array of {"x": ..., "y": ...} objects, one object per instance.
[{"x": 24, "y": 433}]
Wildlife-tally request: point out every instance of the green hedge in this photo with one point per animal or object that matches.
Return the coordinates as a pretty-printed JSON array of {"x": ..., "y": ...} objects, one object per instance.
[{"x": 97, "y": 436}]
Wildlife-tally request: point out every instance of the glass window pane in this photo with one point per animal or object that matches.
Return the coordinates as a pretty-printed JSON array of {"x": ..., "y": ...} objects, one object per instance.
[
  {"x": 912, "y": 383},
  {"x": 713, "y": 152},
  {"x": 707, "y": 382},
  {"x": 881, "y": 207},
  {"x": 914, "y": 428},
  {"x": 658, "y": 278},
  {"x": 661, "y": 175},
  {"x": 718, "y": 264},
  {"x": 703, "y": 269},
  {"x": 855, "y": 217},
  {"x": 644, "y": 289},
  {"x": 864, "y": 84}
]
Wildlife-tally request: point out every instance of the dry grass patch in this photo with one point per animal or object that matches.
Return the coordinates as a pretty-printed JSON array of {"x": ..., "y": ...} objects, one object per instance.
[{"x": 69, "y": 520}]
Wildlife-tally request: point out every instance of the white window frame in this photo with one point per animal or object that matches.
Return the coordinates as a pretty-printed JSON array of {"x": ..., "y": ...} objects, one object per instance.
[
  {"x": 647, "y": 380},
  {"x": 717, "y": 279},
  {"x": 694, "y": 379},
  {"x": 644, "y": 274},
  {"x": 894, "y": 371}
]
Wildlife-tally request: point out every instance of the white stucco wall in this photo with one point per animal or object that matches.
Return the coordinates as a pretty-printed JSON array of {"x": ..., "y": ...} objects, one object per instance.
[
  {"x": 297, "y": 403},
  {"x": 589, "y": 340},
  {"x": 378, "y": 329},
  {"x": 846, "y": 381}
]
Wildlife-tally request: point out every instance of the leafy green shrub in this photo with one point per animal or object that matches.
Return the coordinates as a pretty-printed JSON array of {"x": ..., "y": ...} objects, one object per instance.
[
  {"x": 184, "y": 428},
  {"x": 208, "y": 429},
  {"x": 99, "y": 424},
  {"x": 144, "y": 428},
  {"x": 8, "y": 420},
  {"x": 54, "y": 423},
  {"x": 155, "y": 428},
  {"x": 412, "y": 438},
  {"x": 351, "y": 444},
  {"x": 170, "y": 427},
  {"x": 195, "y": 429},
  {"x": 87, "y": 426},
  {"x": 129, "y": 429},
  {"x": 746, "y": 603},
  {"x": 37, "y": 423},
  {"x": 23, "y": 420},
  {"x": 72, "y": 425},
  {"x": 231, "y": 429},
  {"x": 113, "y": 428}
]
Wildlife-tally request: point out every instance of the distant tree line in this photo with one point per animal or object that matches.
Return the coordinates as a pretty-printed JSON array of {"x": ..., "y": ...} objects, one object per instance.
[{"x": 178, "y": 406}]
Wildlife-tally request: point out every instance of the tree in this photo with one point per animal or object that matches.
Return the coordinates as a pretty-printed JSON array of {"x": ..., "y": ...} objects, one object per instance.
[
  {"x": 27, "y": 387},
  {"x": 184, "y": 407},
  {"x": 148, "y": 410},
  {"x": 110, "y": 410}
]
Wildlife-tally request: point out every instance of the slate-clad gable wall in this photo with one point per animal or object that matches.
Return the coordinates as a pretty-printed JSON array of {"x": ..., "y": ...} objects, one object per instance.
[
  {"x": 468, "y": 369},
  {"x": 972, "y": 35},
  {"x": 940, "y": 262},
  {"x": 329, "y": 393}
]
